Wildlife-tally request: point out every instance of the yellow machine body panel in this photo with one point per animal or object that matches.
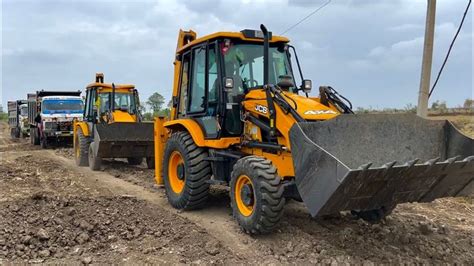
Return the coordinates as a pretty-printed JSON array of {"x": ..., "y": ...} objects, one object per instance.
[
  {"x": 196, "y": 133},
  {"x": 309, "y": 108}
]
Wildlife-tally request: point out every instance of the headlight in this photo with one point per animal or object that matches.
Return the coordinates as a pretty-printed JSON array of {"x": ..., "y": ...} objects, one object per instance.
[{"x": 49, "y": 125}]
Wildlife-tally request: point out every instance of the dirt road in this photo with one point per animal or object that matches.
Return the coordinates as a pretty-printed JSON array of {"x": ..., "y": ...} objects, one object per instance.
[{"x": 52, "y": 211}]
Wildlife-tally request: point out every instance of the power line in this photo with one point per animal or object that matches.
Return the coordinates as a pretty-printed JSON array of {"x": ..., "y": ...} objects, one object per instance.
[
  {"x": 312, "y": 13},
  {"x": 450, "y": 47}
]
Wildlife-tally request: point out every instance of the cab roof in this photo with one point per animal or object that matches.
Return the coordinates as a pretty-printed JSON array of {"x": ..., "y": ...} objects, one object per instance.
[
  {"x": 109, "y": 86},
  {"x": 244, "y": 35}
]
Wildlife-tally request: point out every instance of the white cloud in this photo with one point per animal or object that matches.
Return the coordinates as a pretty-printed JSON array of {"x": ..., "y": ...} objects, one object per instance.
[{"x": 358, "y": 46}]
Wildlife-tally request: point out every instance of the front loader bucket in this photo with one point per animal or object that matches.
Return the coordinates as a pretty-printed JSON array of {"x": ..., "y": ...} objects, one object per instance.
[
  {"x": 365, "y": 162},
  {"x": 123, "y": 140}
]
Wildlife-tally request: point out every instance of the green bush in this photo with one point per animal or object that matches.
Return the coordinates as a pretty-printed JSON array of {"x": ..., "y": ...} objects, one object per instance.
[{"x": 3, "y": 116}]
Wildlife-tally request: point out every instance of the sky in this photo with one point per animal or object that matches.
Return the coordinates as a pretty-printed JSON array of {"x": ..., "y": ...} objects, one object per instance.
[{"x": 368, "y": 50}]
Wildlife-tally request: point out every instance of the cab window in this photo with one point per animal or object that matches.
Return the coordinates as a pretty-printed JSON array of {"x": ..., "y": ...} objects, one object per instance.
[{"x": 198, "y": 84}]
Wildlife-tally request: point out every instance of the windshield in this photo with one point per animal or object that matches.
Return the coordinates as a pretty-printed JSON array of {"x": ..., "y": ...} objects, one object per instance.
[
  {"x": 62, "y": 106},
  {"x": 244, "y": 63},
  {"x": 123, "y": 101},
  {"x": 24, "y": 110}
]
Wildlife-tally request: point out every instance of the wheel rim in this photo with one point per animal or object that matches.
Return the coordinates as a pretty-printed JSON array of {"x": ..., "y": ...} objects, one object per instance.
[
  {"x": 176, "y": 173},
  {"x": 244, "y": 195}
]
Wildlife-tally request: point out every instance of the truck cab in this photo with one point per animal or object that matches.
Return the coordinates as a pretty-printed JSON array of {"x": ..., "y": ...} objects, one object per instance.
[{"x": 54, "y": 116}]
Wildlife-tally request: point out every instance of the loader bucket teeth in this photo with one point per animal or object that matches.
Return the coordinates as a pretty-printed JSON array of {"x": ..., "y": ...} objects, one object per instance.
[{"x": 367, "y": 162}]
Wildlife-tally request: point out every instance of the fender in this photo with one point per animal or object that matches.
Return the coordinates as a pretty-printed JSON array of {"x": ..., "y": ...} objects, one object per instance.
[
  {"x": 84, "y": 127},
  {"x": 193, "y": 128}
]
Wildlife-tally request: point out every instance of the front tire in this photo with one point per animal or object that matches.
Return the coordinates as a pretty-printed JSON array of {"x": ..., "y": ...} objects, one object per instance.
[
  {"x": 81, "y": 148},
  {"x": 135, "y": 160},
  {"x": 44, "y": 142},
  {"x": 185, "y": 172},
  {"x": 94, "y": 162},
  {"x": 256, "y": 195},
  {"x": 34, "y": 136}
]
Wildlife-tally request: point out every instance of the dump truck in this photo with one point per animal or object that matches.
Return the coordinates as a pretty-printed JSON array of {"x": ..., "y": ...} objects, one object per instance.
[
  {"x": 112, "y": 126},
  {"x": 51, "y": 114},
  {"x": 18, "y": 118},
  {"x": 239, "y": 119}
]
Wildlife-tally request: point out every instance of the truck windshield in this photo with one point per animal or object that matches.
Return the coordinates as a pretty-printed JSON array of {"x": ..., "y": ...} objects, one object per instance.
[
  {"x": 62, "y": 106},
  {"x": 24, "y": 110},
  {"x": 244, "y": 63}
]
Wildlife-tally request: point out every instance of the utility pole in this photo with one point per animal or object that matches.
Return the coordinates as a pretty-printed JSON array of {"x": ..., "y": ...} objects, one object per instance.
[{"x": 423, "y": 95}]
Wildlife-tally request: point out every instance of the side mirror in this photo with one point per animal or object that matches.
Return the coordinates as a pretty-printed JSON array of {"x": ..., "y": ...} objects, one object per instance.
[
  {"x": 228, "y": 84},
  {"x": 307, "y": 85}
]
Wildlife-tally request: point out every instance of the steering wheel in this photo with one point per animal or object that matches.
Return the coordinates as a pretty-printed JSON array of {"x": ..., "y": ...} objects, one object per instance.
[{"x": 252, "y": 82}]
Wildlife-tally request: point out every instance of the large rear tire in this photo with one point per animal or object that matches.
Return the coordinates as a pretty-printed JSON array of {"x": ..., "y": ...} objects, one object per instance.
[
  {"x": 135, "y": 160},
  {"x": 94, "y": 162},
  {"x": 185, "y": 172},
  {"x": 81, "y": 148},
  {"x": 12, "y": 133},
  {"x": 34, "y": 136},
  {"x": 256, "y": 195}
]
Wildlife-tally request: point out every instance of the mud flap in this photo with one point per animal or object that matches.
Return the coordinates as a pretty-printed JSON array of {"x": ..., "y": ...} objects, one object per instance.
[
  {"x": 123, "y": 140},
  {"x": 365, "y": 162}
]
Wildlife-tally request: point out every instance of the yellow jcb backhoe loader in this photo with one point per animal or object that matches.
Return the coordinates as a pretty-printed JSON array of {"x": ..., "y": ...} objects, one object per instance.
[
  {"x": 112, "y": 127},
  {"x": 239, "y": 119}
]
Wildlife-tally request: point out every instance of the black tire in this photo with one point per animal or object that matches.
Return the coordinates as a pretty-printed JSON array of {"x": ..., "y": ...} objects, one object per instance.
[
  {"x": 150, "y": 162},
  {"x": 135, "y": 160},
  {"x": 196, "y": 172},
  {"x": 373, "y": 216},
  {"x": 267, "y": 195},
  {"x": 44, "y": 142},
  {"x": 34, "y": 133},
  {"x": 94, "y": 162},
  {"x": 12, "y": 132},
  {"x": 81, "y": 148}
]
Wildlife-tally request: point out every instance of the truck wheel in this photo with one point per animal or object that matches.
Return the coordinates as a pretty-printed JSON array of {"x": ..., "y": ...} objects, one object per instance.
[
  {"x": 94, "y": 162},
  {"x": 135, "y": 160},
  {"x": 44, "y": 142},
  {"x": 81, "y": 148},
  {"x": 34, "y": 134},
  {"x": 185, "y": 172},
  {"x": 12, "y": 133},
  {"x": 256, "y": 195},
  {"x": 150, "y": 162}
]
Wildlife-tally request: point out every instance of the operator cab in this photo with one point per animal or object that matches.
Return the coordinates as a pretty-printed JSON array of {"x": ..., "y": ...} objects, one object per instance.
[
  {"x": 219, "y": 69},
  {"x": 109, "y": 103}
]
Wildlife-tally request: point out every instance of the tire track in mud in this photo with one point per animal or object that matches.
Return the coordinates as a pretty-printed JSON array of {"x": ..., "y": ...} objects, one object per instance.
[
  {"x": 216, "y": 221},
  {"x": 415, "y": 233}
]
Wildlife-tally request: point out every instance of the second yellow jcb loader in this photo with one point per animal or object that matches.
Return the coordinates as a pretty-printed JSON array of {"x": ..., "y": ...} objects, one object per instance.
[
  {"x": 112, "y": 126},
  {"x": 239, "y": 119}
]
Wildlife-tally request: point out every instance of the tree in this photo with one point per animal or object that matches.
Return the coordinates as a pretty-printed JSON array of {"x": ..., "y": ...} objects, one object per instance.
[
  {"x": 468, "y": 103},
  {"x": 156, "y": 101}
]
